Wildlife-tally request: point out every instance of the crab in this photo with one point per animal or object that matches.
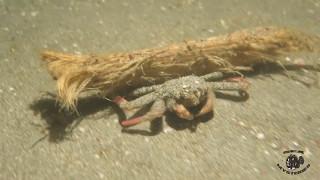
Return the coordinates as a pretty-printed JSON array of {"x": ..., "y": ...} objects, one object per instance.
[{"x": 179, "y": 96}]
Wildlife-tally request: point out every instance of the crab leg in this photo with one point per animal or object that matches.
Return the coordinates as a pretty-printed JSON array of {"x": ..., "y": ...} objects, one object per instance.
[
  {"x": 119, "y": 100},
  {"x": 157, "y": 110},
  {"x": 230, "y": 86},
  {"x": 218, "y": 75},
  {"x": 145, "y": 90},
  {"x": 213, "y": 76},
  {"x": 137, "y": 103}
]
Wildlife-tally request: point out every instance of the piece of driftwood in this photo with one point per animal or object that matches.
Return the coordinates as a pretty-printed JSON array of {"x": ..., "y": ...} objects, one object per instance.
[{"x": 116, "y": 72}]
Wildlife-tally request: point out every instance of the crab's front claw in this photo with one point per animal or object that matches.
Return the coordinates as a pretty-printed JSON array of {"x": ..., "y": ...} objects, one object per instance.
[
  {"x": 208, "y": 106},
  {"x": 182, "y": 112}
]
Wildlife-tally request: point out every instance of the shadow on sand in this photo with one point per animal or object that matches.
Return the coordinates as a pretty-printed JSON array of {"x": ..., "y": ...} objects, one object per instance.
[{"x": 61, "y": 122}]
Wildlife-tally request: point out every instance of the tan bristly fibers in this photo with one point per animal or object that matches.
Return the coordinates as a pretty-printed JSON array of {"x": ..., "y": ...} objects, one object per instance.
[{"x": 116, "y": 72}]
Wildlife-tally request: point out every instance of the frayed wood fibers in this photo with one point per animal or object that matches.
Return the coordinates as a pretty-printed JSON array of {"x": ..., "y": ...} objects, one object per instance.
[{"x": 116, "y": 72}]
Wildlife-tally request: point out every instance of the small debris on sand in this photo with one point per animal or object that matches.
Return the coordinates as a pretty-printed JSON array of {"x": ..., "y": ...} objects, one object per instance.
[{"x": 260, "y": 136}]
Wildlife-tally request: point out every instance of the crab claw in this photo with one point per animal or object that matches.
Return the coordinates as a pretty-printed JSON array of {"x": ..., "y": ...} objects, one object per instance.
[{"x": 182, "y": 112}]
